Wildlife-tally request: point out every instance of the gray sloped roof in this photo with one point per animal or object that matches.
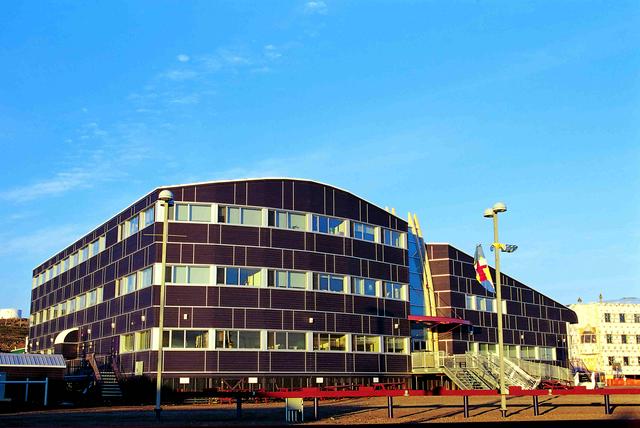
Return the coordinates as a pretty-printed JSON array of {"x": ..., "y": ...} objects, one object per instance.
[{"x": 32, "y": 360}]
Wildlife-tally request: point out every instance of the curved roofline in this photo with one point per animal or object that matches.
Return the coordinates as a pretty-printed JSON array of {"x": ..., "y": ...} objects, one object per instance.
[
  {"x": 279, "y": 178},
  {"x": 209, "y": 182}
]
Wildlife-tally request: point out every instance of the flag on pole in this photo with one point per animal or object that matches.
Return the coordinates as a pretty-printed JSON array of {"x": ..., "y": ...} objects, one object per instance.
[{"x": 482, "y": 269}]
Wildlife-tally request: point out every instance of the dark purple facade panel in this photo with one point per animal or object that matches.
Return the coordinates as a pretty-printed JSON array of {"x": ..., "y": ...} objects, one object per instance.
[
  {"x": 239, "y": 318},
  {"x": 379, "y": 217},
  {"x": 171, "y": 316},
  {"x": 532, "y": 310},
  {"x": 189, "y": 193},
  {"x": 264, "y": 319},
  {"x": 310, "y": 301},
  {"x": 186, "y": 295},
  {"x": 287, "y": 195},
  {"x": 544, "y": 325},
  {"x": 115, "y": 307},
  {"x": 188, "y": 232},
  {"x": 265, "y": 193},
  {"x": 238, "y": 361},
  {"x": 205, "y": 254},
  {"x": 215, "y": 192},
  {"x": 348, "y": 323},
  {"x": 287, "y": 320},
  {"x": 211, "y": 361},
  {"x": 398, "y": 363},
  {"x": 368, "y": 363},
  {"x": 241, "y": 193},
  {"x": 287, "y": 361},
  {"x": 329, "y": 244},
  {"x": 144, "y": 298},
  {"x": 213, "y": 232},
  {"x": 527, "y": 296},
  {"x": 329, "y": 204},
  {"x": 267, "y": 257},
  {"x": 138, "y": 260},
  {"x": 364, "y": 249},
  {"x": 111, "y": 237},
  {"x": 203, "y": 317},
  {"x": 347, "y": 265},
  {"x": 330, "y": 263},
  {"x": 553, "y": 314},
  {"x": 240, "y": 256},
  {"x": 129, "y": 302},
  {"x": 287, "y": 299},
  {"x": 222, "y": 318},
  {"x": 187, "y": 253},
  {"x": 213, "y": 296},
  {"x": 330, "y": 322},
  {"x": 309, "y": 197},
  {"x": 346, "y": 205},
  {"x": 330, "y": 302},
  {"x": 394, "y": 255},
  {"x": 304, "y": 260},
  {"x": 135, "y": 321},
  {"x": 330, "y": 362},
  {"x": 365, "y": 305},
  {"x": 82, "y": 269},
  {"x": 131, "y": 244},
  {"x": 241, "y": 296},
  {"x": 287, "y": 259},
  {"x": 264, "y": 361},
  {"x": 379, "y": 271},
  {"x": 173, "y": 253},
  {"x": 393, "y": 308},
  {"x": 103, "y": 260},
  {"x": 304, "y": 320},
  {"x": 185, "y": 317},
  {"x": 310, "y": 241},
  {"x": 184, "y": 361},
  {"x": 291, "y": 239},
  {"x": 264, "y": 298},
  {"x": 240, "y": 235},
  {"x": 379, "y": 325}
]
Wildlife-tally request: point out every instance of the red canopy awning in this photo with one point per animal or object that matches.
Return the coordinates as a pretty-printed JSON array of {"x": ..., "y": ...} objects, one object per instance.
[{"x": 438, "y": 320}]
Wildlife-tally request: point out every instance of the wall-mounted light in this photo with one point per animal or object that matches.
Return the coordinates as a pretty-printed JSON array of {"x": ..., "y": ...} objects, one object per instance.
[
  {"x": 143, "y": 318},
  {"x": 185, "y": 316},
  {"x": 89, "y": 331},
  {"x": 396, "y": 325},
  {"x": 310, "y": 320},
  {"x": 113, "y": 325}
]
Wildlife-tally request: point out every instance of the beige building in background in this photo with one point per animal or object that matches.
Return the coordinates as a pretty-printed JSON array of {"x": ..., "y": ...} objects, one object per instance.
[{"x": 607, "y": 336}]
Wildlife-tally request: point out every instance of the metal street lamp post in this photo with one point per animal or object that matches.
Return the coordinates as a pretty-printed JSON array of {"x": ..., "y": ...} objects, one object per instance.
[
  {"x": 166, "y": 197},
  {"x": 499, "y": 207}
]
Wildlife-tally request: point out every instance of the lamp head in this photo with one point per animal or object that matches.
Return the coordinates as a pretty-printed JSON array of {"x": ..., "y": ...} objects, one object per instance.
[
  {"x": 488, "y": 213},
  {"x": 499, "y": 207},
  {"x": 165, "y": 196}
]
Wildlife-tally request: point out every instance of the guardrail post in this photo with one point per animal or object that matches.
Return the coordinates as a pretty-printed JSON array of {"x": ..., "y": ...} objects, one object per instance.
[
  {"x": 26, "y": 391},
  {"x": 536, "y": 410},
  {"x": 607, "y": 407},
  {"x": 46, "y": 390},
  {"x": 390, "y": 406},
  {"x": 315, "y": 408},
  {"x": 465, "y": 402}
]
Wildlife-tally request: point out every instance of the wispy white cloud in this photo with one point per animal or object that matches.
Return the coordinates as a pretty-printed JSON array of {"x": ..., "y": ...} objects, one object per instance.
[
  {"x": 315, "y": 6},
  {"x": 40, "y": 242},
  {"x": 183, "y": 58},
  {"x": 60, "y": 183}
]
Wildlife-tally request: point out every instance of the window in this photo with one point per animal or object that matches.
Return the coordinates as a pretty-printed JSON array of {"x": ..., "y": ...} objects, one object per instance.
[
  {"x": 239, "y": 276},
  {"x": 286, "y": 340},
  {"x": 393, "y": 290},
  {"x": 363, "y": 286},
  {"x": 623, "y": 338},
  {"x": 81, "y": 301},
  {"x": 149, "y": 216},
  {"x": 146, "y": 277},
  {"x": 622, "y": 318},
  {"x": 395, "y": 344},
  {"x": 62, "y": 309},
  {"x": 287, "y": 279},
  {"x": 638, "y": 339},
  {"x": 326, "y": 282},
  {"x": 237, "y": 215},
  {"x": 131, "y": 226},
  {"x": 190, "y": 212},
  {"x": 636, "y": 318},
  {"x": 528, "y": 352},
  {"x": 287, "y": 220},
  {"x": 237, "y": 339},
  {"x": 180, "y": 339},
  {"x": 127, "y": 342},
  {"x": 188, "y": 274},
  {"x": 92, "y": 297},
  {"x": 74, "y": 259},
  {"x": 607, "y": 317},
  {"x": 71, "y": 306},
  {"x": 143, "y": 340},
  {"x": 366, "y": 343},
  {"x": 588, "y": 336},
  {"x": 127, "y": 284},
  {"x": 470, "y": 302},
  {"x": 329, "y": 342},
  {"x": 392, "y": 237},
  {"x": 65, "y": 265},
  {"x": 84, "y": 254},
  {"x": 546, "y": 353},
  {"x": 609, "y": 338},
  {"x": 611, "y": 360},
  {"x": 364, "y": 231},
  {"x": 330, "y": 225},
  {"x": 625, "y": 361}
]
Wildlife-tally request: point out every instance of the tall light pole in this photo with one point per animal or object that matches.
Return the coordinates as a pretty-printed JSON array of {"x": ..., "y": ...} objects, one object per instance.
[
  {"x": 166, "y": 198},
  {"x": 499, "y": 207}
]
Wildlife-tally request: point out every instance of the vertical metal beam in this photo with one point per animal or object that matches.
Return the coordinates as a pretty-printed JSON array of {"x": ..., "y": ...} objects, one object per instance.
[
  {"x": 26, "y": 391},
  {"x": 390, "y": 407},
  {"x": 46, "y": 391},
  {"x": 496, "y": 247},
  {"x": 465, "y": 402},
  {"x": 163, "y": 279},
  {"x": 607, "y": 405},
  {"x": 315, "y": 408},
  {"x": 536, "y": 410}
]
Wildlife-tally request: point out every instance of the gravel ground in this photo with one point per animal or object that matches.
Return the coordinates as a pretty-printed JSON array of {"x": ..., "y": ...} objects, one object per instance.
[{"x": 575, "y": 411}]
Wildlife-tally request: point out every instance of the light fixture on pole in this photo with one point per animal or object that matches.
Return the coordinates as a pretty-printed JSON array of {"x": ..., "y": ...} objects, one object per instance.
[
  {"x": 166, "y": 198},
  {"x": 499, "y": 207}
]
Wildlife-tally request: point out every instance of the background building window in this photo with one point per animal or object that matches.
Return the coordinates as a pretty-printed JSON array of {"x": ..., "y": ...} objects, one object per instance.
[
  {"x": 609, "y": 338},
  {"x": 607, "y": 317},
  {"x": 622, "y": 318}
]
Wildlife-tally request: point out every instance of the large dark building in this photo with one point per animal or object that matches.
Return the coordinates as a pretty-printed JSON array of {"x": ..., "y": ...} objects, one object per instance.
[{"x": 283, "y": 280}]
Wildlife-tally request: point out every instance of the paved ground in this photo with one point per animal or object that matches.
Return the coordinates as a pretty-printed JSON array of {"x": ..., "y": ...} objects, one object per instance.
[{"x": 575, "y": 411}]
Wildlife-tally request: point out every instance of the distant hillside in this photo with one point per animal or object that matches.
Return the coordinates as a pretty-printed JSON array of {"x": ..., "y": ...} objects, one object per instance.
[{"x": 12, "y": 333}]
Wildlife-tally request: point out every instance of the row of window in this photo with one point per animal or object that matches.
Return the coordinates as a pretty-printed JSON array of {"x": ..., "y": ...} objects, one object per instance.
[
  {"x": 203, "y": 213},
  {"x": 544, "y": 353},
  {"x": 265, "y": 340},
  {"x": 624, "y": 339},
  {"x": 135, "y": 281},
  {"x": 74, "y": 259},
  {"x": 623, "y": 317},
  {"x": 137, "y": 223},
  {"x": 486, "y": 304},
  {"x": 626, "y": 361},
  {"x": 69, "y": 306},
  {"x": 257, "y": 277}
]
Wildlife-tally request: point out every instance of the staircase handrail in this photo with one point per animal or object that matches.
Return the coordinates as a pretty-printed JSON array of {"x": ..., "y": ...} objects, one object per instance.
[{"x": 91, "y": 359}]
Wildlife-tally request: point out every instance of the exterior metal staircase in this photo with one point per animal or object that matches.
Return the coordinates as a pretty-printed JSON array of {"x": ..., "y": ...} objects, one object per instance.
[{"x": 106, "y": 377}]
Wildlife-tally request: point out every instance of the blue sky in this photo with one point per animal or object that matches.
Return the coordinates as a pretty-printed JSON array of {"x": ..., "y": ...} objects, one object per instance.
[{"x": 438, "y": 107}]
